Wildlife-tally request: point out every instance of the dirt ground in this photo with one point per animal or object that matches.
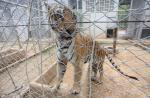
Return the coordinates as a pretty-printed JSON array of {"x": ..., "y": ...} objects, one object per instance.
[
  {"x": 25, "y": 71},
  {"x": 131, "y": 59}
]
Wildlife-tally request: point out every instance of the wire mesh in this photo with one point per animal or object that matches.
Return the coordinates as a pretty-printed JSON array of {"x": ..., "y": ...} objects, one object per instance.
[{"x": 28, "y": 48}]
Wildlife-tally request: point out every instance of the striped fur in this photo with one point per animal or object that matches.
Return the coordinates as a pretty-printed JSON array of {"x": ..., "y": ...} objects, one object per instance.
[{"x": 118, "y": 69}]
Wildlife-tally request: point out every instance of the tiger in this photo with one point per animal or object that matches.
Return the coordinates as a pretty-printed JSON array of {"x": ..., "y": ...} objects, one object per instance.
[{"x": 75, "y": 47}]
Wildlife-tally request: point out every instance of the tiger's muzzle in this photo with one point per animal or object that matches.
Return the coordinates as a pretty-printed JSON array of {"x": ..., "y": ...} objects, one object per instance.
[{"x": 55, "y": 20}]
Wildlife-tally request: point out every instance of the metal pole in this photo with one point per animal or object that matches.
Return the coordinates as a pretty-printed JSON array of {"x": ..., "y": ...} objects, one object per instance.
[{"x": 114, "y": 40}]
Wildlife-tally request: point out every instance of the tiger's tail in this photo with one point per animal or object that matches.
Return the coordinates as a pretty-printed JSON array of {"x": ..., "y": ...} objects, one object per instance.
[{"x": 118, "y": 69}]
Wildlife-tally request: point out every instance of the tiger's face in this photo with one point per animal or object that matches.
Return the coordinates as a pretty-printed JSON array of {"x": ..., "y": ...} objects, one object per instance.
[{"x": 61, "y": 19}]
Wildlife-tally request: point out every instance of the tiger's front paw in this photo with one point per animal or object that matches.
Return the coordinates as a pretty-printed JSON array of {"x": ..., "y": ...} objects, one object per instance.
[
  {"x": 76, "y": 89},
  {"x": 96, "y": 80},
  {"x": 54, "y": 88}
]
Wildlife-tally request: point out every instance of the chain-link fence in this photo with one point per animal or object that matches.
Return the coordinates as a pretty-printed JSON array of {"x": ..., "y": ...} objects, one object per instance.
[{"x": 28, "y": 48}]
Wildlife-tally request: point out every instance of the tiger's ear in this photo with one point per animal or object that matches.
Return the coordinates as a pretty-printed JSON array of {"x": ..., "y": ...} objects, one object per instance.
[
  {"x": 74, "y": 16},
  {"x": 66, "y": 9},
  {"x": 47, "y": 6},
  {"x": 72, "y": 13}
]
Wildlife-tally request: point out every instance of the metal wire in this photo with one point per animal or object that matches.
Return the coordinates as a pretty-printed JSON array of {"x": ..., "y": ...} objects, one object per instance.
[{"x": 36, "y": 51}]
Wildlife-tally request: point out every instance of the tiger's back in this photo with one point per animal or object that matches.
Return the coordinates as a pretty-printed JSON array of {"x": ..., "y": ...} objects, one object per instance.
[
  {"x": 83, "y": 50},
  {"x": 83, "y": 46}
]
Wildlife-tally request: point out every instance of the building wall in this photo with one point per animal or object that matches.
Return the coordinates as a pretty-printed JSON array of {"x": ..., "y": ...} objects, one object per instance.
[
  {"x": 7, "y": 33},
  {"x": 134, "y": 29},
  {"x": 147, "y": 16},
  {"x": 14, "y": 17},
  {"x": 103, "y": 15},
  {"x": 65, "y": 2},
  {"x": 19, "y": 17}
]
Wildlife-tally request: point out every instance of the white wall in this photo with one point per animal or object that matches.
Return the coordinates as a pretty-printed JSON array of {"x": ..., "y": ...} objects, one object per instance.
[
  {"x": 96, "y": 16},
  {"x": 62, "y": 1},
  {"x": 134, "y": 30},
  {"x": 20, "y": 17}
]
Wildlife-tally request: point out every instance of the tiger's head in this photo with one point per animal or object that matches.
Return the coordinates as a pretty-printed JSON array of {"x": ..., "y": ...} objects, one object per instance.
[{"x": 61, "y": 19}]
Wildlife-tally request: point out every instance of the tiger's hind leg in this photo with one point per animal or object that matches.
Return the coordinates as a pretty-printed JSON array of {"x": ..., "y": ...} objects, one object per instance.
[
  {"x": 97, "y": 67},
  {"x": 94, "y": 69},
  {"x": 101, "y": 72}
]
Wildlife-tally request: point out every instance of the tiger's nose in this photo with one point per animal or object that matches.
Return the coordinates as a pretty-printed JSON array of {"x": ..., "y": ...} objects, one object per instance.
[{"x": 54, "y": 25}]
